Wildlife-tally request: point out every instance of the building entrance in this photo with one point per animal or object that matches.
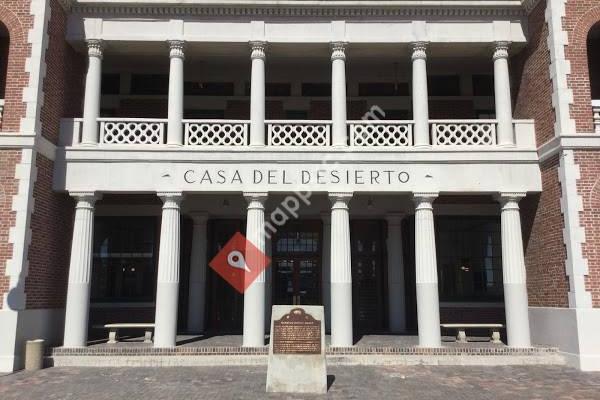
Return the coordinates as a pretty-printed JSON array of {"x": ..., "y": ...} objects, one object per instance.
[{"x": 297, "y": 263}]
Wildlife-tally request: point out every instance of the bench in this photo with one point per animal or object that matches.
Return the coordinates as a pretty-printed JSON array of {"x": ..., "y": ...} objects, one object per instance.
[
  {"x": 461, "y": 336},
  {"x": 113, "y": 330}
]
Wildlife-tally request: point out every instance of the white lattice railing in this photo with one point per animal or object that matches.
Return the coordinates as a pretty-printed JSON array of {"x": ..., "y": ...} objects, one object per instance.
[
  {"x": 381, "y": 133},
  {"x": 216, "y": 132},
  {"x": 132, "y": 130},
  {"x": 596, "y": 110},
  {"x": 298, "y": 133},
  {"x": 463, "y": 132},
  {"x": 1, "y": 109}
]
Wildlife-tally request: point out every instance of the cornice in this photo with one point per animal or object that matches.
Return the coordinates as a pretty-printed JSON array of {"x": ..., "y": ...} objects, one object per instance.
[{"x": 331, "y": 8}]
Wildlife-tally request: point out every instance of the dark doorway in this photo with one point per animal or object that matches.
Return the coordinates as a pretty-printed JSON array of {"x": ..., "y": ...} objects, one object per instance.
[
  {"x": 369, "y": 276},
  {"x": 225, "y": 305},
  {"x": 297, "y": 263}
]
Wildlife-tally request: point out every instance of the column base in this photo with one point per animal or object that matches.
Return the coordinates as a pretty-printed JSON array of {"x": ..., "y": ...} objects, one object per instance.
[
  {"x": 517, "y": 316},
  {"x": 254, "y": 315},
  {"x": 165, "y": 332},
  {"x": 341, "y": 315},
  {"x": 428, "y": 315}
]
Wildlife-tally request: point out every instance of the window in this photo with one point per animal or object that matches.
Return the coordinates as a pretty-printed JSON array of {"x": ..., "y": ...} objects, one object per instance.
[
  {"x": 149, "y": 84},
  {"x": 483, "y": 85},
  {"x": 444, "y": 85},
  {"x": 469, "y": 255},
  {"x": 4, "y": 44},
  {"x": 383, "y": 89},
  {"x": 316, "y": 89},
  {"x": 593, "y": 51},
  {"x": 208, "y": 88},
  {"x": 124, "y": 263},
  {"x": 111, "y": 84}
]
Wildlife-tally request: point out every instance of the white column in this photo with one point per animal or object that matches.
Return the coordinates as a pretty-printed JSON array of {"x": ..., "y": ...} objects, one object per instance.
[
  {"x": 341, "y": 271},
  {"x": 513, "y": 272},
  {"x": 80, "y": 270},
  {"x": 502, "y": 94},
  {"x": 428, "y": 307},
  {"x": 254, "y": 295},
  {"x": 326, "y": 269},
  {"x": 268, "y": 285},
  {"x": 91, "y": 102},
  {"x": 197, "y": 287},
  {"x": 257, "y": 94},
  {"x": 176, "y": 94},
  {"x": 420, "y": 94},
  {"x": 396, "y": 290},
  {"x": 167, "y": 286},
  {"x": 338, "y": 94}
]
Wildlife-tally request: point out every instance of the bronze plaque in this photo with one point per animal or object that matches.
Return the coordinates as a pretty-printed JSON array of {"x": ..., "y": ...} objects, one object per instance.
[{"x": 297, "y": 333}]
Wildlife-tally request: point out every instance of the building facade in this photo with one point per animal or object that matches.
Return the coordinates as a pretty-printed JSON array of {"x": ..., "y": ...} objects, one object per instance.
[{"x": 403, "y": 163}]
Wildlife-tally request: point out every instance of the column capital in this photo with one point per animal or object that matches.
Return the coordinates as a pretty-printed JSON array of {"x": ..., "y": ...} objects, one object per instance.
[
  {"x": 259, "y": 48},
  {"x": 424, "y": 200},
  {"x": 510, "y": 200},
  {"x": 394, "y": 218},
  {"x": 338, "y": 50},
  {"x": 86, "y": 197},
  {"x": 256, "y": 199},
  {"x": 419, "y": 50},
  {"x": 199, "y": 217},
  {"x": 95, "y": 47},
  {"x": 170, "y": 198},
  {"x": 176, "y": 48},
  {"x": 501, "y": 50}
]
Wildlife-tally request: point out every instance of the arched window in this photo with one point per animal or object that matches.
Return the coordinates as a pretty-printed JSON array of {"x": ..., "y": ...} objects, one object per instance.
[
  {"x": 593, "y": 51},
  {"x": 4, "y": 41}
]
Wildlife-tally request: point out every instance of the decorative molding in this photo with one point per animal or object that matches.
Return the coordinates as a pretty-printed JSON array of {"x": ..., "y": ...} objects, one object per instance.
[
  {"x": 38, "y": 143},
  {"x": 95, "y": 47},
  {"x": 338, "y": 50},
  {"x": 501, "y": 50},
  {"x": 419, "y": 50},
  {"x": 347, "y": 9},
  {"x": 553, "y": 147},
  {"x": 176, "y": 48},
  {"x": 258, "y": 49}
]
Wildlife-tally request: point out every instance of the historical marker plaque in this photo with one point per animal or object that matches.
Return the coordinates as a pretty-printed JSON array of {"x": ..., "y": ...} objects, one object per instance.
[
  {"x": 297, "y": 350},
  {"x": 297, "y": 333}
]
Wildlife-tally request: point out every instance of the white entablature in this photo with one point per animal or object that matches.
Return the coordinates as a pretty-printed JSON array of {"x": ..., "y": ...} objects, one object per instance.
[{"x": 305, "y": 21}]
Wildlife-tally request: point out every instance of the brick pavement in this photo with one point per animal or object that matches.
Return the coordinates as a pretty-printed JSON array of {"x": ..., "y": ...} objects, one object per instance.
[{"x": 360, "y": 382}]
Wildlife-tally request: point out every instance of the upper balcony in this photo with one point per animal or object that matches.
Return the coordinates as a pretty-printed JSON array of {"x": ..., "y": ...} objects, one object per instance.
[{"x": 290, "y": 135}]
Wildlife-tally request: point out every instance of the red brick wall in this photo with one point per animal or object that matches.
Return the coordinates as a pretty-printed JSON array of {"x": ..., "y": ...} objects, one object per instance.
[
  {"x": 532, "y": 87},
  {"x": 52, "y": 227},
  {"x": 8, "y": 188},
  {"x": 545, "y": 252},
  {"x": 14, "y": 15},
  {"x": 580, "y": 18},
  {"x": 588, "y": 188},
  {"x": 65, "y": 76}
]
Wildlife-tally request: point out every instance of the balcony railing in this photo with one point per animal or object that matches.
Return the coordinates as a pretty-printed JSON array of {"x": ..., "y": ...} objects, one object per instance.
[
  {"x": 1, "y": 109},
  {"x": 302, "y": 133},
  {"x": 381, "y": 133},
  {"x": 463, "y": 133},
  {"x": 216, "y": 132},
  {"x": 596, "y": 111},
  {"x": 132, "y": 131},
  {"x": 298, "y": 133}
]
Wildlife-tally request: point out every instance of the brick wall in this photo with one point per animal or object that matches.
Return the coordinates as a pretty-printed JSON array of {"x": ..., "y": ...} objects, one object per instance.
[
  {"x": 545, "y": 252},
  {"x": 14, "y": 15},
  {"x": 65, "y": 77},
  {"x": 8, "y": 188},
  {"x": 543, "y": 222},
  {"x": 532, "y": 87},
  {"x": 581, "y": 16},
  {"x": 589, "y": 189}
]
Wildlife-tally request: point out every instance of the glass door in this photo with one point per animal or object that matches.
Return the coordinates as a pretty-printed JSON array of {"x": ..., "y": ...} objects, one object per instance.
[{"x": 297, "y": 264}]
